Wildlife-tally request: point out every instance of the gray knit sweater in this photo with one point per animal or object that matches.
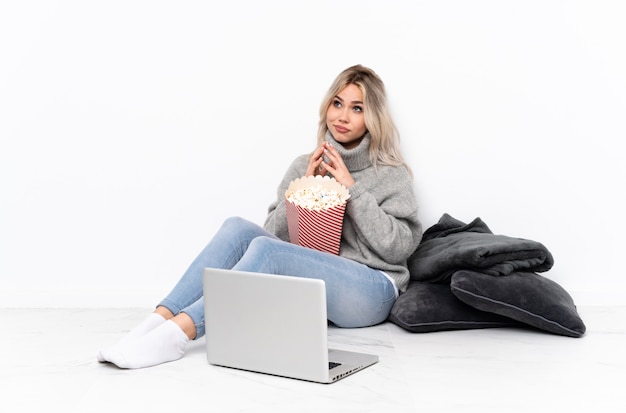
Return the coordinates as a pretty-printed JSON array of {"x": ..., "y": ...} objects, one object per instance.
[{"x": 381, "y": 228}]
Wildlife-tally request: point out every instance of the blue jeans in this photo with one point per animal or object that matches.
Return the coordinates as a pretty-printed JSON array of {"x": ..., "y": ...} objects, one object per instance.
[{"x": 357, "y": 295}]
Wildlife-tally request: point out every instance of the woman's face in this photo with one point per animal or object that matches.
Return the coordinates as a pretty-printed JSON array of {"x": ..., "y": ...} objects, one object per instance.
[{"x": 345, "y": 118}]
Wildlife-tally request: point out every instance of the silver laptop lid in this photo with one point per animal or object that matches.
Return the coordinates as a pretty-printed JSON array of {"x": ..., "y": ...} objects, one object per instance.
[{"x": 266, "y": 323}]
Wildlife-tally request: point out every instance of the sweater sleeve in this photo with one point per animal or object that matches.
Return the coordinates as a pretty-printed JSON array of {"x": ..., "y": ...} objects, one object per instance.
[
  {"x": 276, "y": 220},
  {"x": 384, "y": 217}
]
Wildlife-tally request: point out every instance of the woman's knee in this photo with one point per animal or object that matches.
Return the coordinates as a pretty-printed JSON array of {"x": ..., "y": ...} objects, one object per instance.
[
  {"x": 263, "y": 243},
  {"x": 234, "y": 222},
  {"x": 260, "y": 247},
  {"x": 261, "y": 256}
]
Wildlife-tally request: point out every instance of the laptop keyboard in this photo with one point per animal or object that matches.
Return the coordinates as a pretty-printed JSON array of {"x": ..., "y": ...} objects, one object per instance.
[{"x": 332, "y": 365}]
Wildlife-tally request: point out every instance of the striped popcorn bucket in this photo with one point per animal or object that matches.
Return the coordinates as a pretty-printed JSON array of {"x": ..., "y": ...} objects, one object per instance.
[{"x": 319, "y": 229}]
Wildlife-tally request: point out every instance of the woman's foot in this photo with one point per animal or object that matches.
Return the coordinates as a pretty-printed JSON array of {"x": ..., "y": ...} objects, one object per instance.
[
  {"x": 150, "y": 323},
  {"x": 165, "y": 343}
]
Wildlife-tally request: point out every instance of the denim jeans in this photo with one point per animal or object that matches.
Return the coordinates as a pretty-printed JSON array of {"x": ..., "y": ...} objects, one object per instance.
[{"x": 356, "y": 295}]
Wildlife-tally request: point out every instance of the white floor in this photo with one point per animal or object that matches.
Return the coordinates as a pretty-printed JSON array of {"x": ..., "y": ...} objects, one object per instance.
[{"x": 47, "y": 363}]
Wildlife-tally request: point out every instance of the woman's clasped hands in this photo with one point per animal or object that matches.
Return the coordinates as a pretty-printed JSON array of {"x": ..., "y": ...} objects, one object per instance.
[{"x": 333, "y": 164}]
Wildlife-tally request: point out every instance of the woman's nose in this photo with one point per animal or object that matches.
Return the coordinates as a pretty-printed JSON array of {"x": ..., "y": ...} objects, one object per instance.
[{"x": 343, "y": 117}]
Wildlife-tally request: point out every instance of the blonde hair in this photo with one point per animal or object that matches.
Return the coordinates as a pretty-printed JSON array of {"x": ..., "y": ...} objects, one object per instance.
[{"x": 385, "y": 140}]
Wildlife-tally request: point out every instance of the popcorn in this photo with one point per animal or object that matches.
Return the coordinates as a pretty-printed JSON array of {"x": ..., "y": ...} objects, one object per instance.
[
  {"x": 315, "y": 198},
  {"x": 315, "y": 211}
]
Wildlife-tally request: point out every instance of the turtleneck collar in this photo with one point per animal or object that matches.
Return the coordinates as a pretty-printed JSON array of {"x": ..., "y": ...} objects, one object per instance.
[{"x": 355, "y": 159}]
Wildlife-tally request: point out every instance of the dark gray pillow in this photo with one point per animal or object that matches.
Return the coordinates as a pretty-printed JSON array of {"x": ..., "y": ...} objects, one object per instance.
[
  {"x": 427, "y": 307},
  {"x": 523, "y": 296}
]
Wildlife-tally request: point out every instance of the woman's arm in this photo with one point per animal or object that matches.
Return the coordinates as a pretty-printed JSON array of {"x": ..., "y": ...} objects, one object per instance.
[
  {"x": 276, "y": 220},
  {"x": 383, "y": 214}
]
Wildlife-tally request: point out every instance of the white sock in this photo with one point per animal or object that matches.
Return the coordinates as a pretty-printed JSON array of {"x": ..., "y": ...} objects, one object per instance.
[
  {"x": 165, "y": 343},
  {"x": 150, "y": 323}
]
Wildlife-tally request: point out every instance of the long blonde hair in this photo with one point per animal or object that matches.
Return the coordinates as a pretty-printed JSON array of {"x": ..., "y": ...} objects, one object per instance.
[{"x": 385, "y": 140}]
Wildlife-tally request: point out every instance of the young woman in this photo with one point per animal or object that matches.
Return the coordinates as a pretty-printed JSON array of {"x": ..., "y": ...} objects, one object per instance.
[{"x": 358, "y": 145}]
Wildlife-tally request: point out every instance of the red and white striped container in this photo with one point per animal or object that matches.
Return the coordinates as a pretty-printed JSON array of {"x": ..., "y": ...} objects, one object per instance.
[{"x": 312, "y": 228}]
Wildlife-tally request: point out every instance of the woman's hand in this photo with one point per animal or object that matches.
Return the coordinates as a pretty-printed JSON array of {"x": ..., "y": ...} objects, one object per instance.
[
  {"x": 315, "y": 162},
  {"x": 335, "y": 166}
]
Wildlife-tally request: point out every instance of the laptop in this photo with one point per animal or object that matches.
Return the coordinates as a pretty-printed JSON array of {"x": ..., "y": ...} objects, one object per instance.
[{"x": 273, "y": 324}]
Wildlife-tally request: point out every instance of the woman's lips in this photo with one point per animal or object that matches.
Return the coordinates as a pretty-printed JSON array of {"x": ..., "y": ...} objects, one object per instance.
[{"x": 341, "y": 129}]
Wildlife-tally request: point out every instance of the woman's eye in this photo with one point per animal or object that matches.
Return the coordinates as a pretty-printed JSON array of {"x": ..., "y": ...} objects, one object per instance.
[
  {"x": 336, "y": 103},
  {"x": 358, "y": 109}
]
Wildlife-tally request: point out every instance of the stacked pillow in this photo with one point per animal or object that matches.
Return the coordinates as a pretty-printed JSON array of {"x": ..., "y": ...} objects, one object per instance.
[{"x": 465, "y": 277}]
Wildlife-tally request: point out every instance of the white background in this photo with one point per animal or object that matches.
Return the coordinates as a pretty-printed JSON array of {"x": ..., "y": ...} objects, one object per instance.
[{"x": 130, "y": 130}]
